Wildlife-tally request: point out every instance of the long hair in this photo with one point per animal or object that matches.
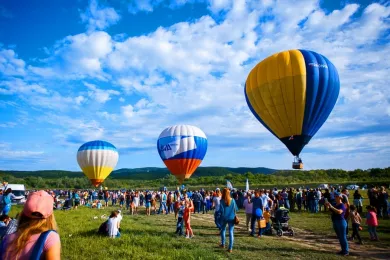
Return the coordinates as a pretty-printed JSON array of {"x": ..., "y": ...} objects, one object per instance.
[
  {"x": 226, "y": 196},
  {"x": 26, "y": 228}
]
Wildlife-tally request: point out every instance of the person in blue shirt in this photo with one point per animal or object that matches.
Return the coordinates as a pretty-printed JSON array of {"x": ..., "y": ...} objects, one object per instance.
[
  {"x": 180, "y": 214},
  {"x": 257, "y": 204},
  {"x": 163, "y": 203},
  {"x": 76, "y": 199},
  {"x": 6, "y": 202},
  {"x": 228, "y": 209},
  {"x": 339, "y": 223}
]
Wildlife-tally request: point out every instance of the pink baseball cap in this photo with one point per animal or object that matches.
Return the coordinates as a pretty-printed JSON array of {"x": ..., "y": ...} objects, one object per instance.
[{"x": 38, "y": 205}]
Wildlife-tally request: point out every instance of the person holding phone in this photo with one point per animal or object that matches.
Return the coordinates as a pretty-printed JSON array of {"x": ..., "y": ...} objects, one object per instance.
[{"x": 339, "y": 223}]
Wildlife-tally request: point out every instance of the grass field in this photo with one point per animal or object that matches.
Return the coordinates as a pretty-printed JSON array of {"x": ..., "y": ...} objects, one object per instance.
[{"x": 152, "y": 237}]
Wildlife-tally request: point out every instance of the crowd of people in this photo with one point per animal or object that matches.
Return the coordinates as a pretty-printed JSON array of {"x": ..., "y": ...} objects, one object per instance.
[{"x": 260, "y": 206}]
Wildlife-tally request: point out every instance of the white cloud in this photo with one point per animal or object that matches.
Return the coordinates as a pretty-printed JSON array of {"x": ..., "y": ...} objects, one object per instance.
[
  {"x": 100, "y": 95},
  {"x": 77, "y": 56},
  {"x": 18, "y": 86},
  {"x": 366, "y": 142},
  {"x": 10, "y": 65},
  {"x": 99, "y": 17},
  {"x": 8, "y": 125},
  {"x": 19, "y": 154}
]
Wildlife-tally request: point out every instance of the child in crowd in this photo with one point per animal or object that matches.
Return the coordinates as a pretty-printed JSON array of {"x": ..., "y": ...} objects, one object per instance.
[
  {"x": 99, "y": 204},
  {"x": 356, "y": 220},
  {"x": 187, "y": 219},
  {"x": 372, "y": 222},
  {"x": 180, "y": 213},
  {"x": 267, "y": 218},
  {"x": 4, "y": 219}
]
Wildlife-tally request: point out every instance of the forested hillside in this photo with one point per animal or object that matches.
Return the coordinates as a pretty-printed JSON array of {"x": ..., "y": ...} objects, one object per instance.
[{"x": 204, "y": 176}]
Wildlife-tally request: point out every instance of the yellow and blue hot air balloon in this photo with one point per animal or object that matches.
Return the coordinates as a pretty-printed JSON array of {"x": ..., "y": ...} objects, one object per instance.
[
  {"x": 182, "y": 149},
  {"x": 97, "y": 159},
  {"x": 292, "y": 94}
]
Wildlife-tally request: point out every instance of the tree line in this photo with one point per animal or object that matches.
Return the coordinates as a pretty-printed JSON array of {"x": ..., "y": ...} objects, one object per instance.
[{"x": 214, "y": 179}]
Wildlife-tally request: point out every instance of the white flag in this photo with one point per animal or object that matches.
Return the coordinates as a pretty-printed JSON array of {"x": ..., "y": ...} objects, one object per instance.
[
  {"x": 229, "y": 185},
  {"x": 247, "y": 185}
]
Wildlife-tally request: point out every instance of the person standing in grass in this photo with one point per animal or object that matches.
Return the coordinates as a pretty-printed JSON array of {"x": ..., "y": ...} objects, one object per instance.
[
  {"x": 248, "y": 206},
  {"x": 372, "y": 222},
  {"x": 356, "y": 220},
  {"x": 5, "y": 202},
  {"x": 339, "y": 223},
  {"x": 257, "y": 204},
  {"x": 228, "y": 210},
  {"x": 299, "y": 199},
  {"x": 180, "y": 214},
  {"x": 148, "y": 202},
  {"x": 36, "y": 228},
  {"x": 216, "y": 205},
  {"x": 187, "y": 219}
]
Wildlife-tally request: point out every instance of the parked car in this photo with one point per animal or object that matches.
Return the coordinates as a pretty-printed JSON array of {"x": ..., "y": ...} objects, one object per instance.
[
  {"x": 323, "y": 186},
  {"x": 352, "y": 187}
]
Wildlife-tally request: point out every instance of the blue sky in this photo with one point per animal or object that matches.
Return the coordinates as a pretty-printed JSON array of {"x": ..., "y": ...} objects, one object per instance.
[{"x": 122, "y": 71}]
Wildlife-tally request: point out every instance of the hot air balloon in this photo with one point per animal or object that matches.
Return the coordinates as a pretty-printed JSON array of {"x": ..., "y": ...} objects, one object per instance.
[
  {"x": 292, "y": 94},
  {"x": 97, "y": 159},
  {"x": 182, "y": 148}
]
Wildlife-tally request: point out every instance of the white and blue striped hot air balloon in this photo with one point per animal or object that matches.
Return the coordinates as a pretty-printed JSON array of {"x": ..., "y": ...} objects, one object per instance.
[{"x": 97, "y": 159}]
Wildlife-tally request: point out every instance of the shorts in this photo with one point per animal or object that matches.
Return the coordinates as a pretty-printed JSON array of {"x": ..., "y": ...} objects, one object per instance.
[
  {"x": 147, "y": 204},
  {"x": 77, "y": 203}
]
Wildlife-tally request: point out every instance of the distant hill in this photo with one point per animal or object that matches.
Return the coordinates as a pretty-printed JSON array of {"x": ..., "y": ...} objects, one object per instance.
[{"x": 147, "y": 173}]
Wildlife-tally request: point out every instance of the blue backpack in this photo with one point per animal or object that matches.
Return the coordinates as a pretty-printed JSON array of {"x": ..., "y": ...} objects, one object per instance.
[{"x": 37, "y": 249}]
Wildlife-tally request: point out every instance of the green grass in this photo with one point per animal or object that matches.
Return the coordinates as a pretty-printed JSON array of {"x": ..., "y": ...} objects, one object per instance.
[{"x": 152, "y": 237}]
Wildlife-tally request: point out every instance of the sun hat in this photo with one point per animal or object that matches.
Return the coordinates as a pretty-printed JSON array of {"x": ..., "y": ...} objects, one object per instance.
[{"x": 38, "y": 205}]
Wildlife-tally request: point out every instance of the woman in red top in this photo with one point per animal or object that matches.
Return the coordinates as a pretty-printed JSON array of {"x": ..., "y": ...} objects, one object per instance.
[{"x": 187, "y": 219}]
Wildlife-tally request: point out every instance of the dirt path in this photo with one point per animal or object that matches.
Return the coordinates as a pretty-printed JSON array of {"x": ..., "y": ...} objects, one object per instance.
[{"x": 318, "y": 242}]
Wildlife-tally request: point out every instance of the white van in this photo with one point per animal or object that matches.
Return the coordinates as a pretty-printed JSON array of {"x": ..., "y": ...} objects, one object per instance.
[
  {"x": 323, "y": 186},
  {"x": 19, "y": 193}
]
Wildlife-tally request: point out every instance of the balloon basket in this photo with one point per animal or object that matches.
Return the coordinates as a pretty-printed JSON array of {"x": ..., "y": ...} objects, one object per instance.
[{"x": 297, "y": 166}]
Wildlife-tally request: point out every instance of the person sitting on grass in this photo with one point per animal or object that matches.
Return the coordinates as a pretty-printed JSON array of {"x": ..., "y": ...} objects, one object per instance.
[
  {"x": 113, "y": 225},
  {"x": 99, "y": 204},
  {"x": 36, "y": 236}
]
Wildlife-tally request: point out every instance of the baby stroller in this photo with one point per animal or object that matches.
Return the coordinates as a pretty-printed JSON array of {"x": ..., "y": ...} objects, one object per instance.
[{"x": 280, "y": 222}]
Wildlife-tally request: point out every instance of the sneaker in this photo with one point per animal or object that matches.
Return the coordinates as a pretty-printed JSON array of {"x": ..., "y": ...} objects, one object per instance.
[
  {"x": 187, "y": 236},
  {"x": 230, "y": 250},
  {"x": 345, "y": 254},
  {"x": 221, "y": 246}
]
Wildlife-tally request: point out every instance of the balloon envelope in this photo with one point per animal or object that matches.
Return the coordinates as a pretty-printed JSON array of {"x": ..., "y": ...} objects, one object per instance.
[
  {"x": 292, "y": 94},
  {"x": 182, "y": 149},
  {"x": 97, "y": 159}
]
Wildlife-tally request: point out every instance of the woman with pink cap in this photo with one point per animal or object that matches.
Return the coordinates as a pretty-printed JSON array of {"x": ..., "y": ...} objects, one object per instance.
[{"x": 36, "y": 234}]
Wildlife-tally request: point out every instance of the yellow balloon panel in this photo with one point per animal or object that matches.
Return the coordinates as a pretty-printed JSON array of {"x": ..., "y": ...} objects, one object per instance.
[
  {"x": 276, "y": 89},
  {"x": 97, "y": 172}
]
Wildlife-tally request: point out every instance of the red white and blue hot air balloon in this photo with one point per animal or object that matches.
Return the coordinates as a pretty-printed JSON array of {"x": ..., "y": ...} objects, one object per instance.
[{"x": 182, "y": 149}]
